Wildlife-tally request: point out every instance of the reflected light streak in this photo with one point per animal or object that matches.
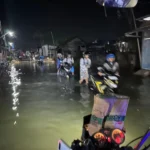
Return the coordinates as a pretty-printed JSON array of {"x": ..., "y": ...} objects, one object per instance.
[{"x": 15, "y": 82}]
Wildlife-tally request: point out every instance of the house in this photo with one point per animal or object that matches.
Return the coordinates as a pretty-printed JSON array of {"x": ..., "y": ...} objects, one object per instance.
[
  {"x": 3, "y": 49},
  {"x": 142, "y": 34},
  {"x": 73, "y": 45},
  {"x": 98, "y": 49},
  {"x": 48, "y": 51}
]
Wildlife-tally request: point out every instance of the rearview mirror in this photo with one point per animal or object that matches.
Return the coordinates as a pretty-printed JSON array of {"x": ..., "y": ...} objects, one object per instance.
[{"x": 118, "y": 3}]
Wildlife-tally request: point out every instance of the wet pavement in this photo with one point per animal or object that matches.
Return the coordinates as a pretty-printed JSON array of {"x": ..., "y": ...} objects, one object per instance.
[{"x": 48, "y": 108}]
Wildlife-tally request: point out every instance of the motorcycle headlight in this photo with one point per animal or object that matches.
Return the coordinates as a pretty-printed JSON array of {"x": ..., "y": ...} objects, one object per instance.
[
  {"x": 99, "y": 137},
  {"x": 118, "y": 136}
]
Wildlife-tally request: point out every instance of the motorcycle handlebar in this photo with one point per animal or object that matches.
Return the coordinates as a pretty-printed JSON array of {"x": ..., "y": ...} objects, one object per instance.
[{"x": 76, "y": 145}]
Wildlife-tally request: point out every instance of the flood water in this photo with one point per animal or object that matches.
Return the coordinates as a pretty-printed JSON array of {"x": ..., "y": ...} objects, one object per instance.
[{"x": 48, "y": 108}]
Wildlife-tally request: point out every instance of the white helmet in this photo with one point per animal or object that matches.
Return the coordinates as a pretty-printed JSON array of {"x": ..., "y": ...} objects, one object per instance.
[{"x": 59, "y": 55}]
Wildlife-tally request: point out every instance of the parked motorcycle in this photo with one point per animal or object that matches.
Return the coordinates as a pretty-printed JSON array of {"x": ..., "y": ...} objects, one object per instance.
[{"x": 108, "y": 84}]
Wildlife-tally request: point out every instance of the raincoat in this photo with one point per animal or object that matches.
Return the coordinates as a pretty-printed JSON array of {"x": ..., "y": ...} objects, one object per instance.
[
  {"x": 41, "y": 58},
  {"x": 112, "y": 68},
  {"x": 59, "y": 62}
]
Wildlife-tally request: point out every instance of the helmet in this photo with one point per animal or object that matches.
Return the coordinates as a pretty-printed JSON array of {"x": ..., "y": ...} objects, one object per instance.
[
  {"x": 110, "y": 56},
  {"x": 59, "y": 55}
]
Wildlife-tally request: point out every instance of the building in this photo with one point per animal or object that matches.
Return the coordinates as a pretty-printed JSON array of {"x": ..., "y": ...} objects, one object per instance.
[
  {"x": 73, "y": 45},
  {"x": 142, "y": 35},
  {"x": 48, "y": 51}
]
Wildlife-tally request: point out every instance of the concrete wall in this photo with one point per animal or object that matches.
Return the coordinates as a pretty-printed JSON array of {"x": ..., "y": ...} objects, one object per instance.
[{"x": 146, "y": 50}]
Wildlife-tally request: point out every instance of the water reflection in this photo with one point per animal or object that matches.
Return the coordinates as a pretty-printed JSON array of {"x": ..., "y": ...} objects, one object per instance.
[
  {"x": 45, "y": 115},
  {"x": 66, "y": 85},
  {"x": 34, "y": 67},
  {"x": 85, "y": 96},
  {"x": 15, "y": 82}
]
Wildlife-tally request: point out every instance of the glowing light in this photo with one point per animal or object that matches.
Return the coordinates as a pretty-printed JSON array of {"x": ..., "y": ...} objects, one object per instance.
[
  {"x": 10, "y": 43},
  {"x": 147, "y": 19},
  {"x": 14, "y": 108},
  {"x": 99, "y": 136},
  {"x": 109, "y": 139},
  {"x": 17, "y": 115},
  {"x": 11, "y": 33},
  {"x": 15, "y": 122},
  {"x": 118, "y": 140},
  {"x": 118, "y": 136}
]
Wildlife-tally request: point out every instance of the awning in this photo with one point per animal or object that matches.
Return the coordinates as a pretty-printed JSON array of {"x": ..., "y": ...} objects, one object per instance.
[
  {"x": 141, "y": 29},
  {"x": 141, "y": 19}
]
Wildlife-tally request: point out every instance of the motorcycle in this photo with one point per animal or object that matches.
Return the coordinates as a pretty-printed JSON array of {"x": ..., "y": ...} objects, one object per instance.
[
  {"x": 110, "y": 140},
  {"x": 95, "y": 137},
  {"x": 105, "y": 138},
  {"x": 108, "y": 84},
  {"x": 40, "y": 62},
  {"x": 65, "y": 70}
]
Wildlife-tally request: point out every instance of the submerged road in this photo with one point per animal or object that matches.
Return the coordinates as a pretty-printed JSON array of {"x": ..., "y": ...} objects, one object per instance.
[{"x": 48, "y": 108}]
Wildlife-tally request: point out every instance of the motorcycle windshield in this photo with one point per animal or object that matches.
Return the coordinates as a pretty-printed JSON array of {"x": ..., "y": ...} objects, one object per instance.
[
  {"x": 62, "y": 145},
  {"x": 112, "y": 77},
  {"x": 113, "y": 85}
]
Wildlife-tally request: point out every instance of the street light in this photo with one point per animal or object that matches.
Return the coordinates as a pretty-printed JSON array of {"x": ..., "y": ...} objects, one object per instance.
[
  {"x": 144, "y": 18},
  {"x": 10, "y": 33},
  {"x": 147, "y": 19},
  {"x": 10, "y": 43}
]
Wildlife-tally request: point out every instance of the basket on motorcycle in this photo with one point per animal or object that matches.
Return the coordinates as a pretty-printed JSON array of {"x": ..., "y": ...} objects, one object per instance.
[{"x": 109, "y": 111}]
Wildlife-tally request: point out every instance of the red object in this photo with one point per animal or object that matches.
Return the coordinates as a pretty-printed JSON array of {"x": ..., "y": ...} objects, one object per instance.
[
  {"x": 118, "y": 140},
  {"x": 122, "y": 135},
  {"x": 109, "y": 139}
]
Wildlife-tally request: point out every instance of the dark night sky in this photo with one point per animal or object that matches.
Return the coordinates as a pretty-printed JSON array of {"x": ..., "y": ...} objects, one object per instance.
[{"x": 66, "y": 18}]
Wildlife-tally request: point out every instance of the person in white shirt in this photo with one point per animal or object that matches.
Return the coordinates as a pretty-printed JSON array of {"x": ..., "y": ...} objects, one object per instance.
[
  {"x": 85, "y": 64},
  {"x": 69, "y": 59}
]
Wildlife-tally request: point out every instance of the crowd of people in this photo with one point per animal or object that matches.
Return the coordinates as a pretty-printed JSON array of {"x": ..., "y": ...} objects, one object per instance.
[{"x": 111, "y": 66}]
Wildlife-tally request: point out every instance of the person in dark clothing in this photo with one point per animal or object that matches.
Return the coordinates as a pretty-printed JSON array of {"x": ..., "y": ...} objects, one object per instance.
[{"x": 110, "y": 66}]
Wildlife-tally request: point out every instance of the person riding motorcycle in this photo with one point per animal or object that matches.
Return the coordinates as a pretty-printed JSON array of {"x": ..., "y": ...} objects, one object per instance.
[
  {"x": 110, "y": 66},
  {"x": 59, "y": 61},
  {"x": 70, "y": 61},
  {"x": 41, "y": 59}
]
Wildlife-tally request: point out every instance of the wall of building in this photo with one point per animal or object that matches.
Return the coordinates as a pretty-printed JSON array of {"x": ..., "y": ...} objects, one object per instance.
[{"x": 146, "y": 50}]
